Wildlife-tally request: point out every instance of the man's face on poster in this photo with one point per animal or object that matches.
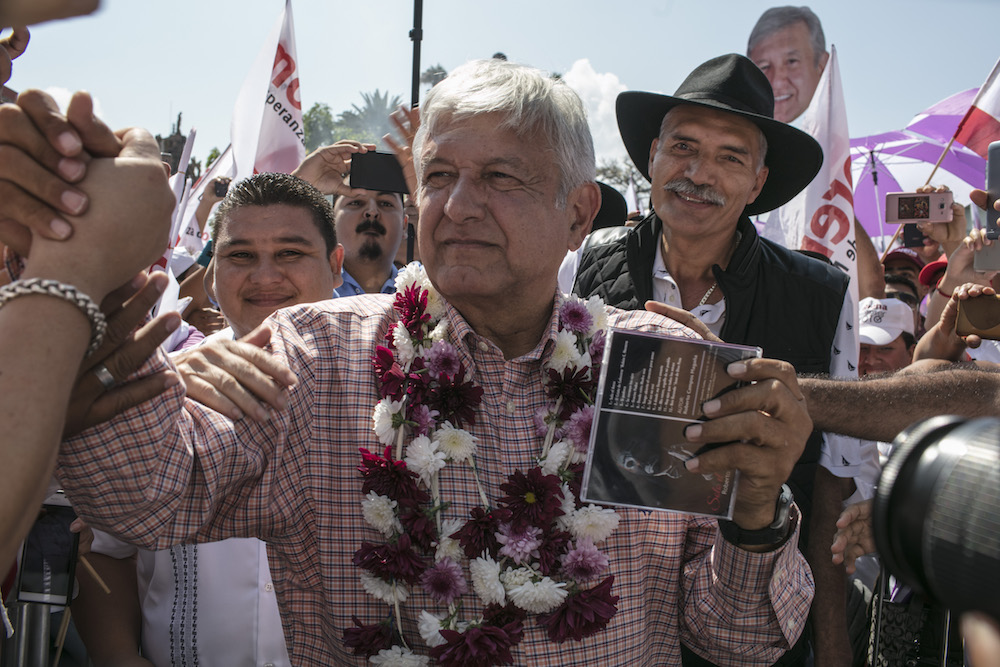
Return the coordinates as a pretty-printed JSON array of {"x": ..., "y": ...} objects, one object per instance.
[{"x": 786, "y": 56}]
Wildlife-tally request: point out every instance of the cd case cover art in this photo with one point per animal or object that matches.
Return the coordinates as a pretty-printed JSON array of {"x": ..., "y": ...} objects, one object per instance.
[{"x": 651, "y": 388}]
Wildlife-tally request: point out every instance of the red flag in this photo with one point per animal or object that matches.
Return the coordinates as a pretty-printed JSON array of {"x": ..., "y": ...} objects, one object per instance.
[
  {"x": 268, "y": 133},
  {"x": 981, "y": 126}
]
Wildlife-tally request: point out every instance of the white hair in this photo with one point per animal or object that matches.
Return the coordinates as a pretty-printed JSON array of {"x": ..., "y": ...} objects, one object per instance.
[{"x": 528, "y": 101}]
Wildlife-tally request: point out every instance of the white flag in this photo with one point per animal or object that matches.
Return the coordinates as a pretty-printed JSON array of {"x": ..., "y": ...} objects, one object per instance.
[
  {"x": 268, "y": 133},
  {"x": 192, "y": 237},
  {"x": 821, "y": 217},
  {"x": 631, "y": 197}
]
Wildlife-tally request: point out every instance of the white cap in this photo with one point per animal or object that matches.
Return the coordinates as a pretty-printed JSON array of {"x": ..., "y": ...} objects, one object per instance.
[{"x": 883, "y": 320}]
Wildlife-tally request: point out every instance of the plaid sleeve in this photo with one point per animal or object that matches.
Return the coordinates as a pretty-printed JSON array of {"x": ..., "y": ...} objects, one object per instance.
[
  {"x": 171, "y": 470},
  {"x": 745, "y": 608}
]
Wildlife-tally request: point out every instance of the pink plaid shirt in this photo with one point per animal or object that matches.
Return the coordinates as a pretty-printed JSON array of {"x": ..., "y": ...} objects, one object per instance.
[{"x": 172, "y": 471}]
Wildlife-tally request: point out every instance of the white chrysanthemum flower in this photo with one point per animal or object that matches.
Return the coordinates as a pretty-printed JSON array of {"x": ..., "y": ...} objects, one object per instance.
[
  {"x": 382, "y": 420},
  {"x": 429, "y": 626},
  {"x": 435, "y": 304},
  {"x": 397, "y": 656},
  {"x": 594, "y": 522},
  {"x": 565, "y": 353},
  {"x": 406, "y": 351},
  {"x": 383, "y": 590},
  {"x": 424, "y": 458},
  {"x": 598, "y": 311},
  {"x": 458, "y": 444},
  {"x": 539, "y": 597},
  {"x": 448, "y": 547},
  {"x": 439, "y": 331},
  {"x": 568, "y": 507},
  {"x": 411, "y": 273},
  {"x": 380, "y": 512},
  {"x": 485, "y": 574},
  {"x": 513, "y": 577},
  {"x": 558, "y": 453}
]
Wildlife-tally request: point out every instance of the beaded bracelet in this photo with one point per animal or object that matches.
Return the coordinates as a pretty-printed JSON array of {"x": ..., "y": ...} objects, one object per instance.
[{"x": 98, "y": 325}]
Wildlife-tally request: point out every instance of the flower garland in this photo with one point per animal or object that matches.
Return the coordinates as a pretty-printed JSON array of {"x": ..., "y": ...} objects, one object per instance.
[{"x": 530, "y": 553}]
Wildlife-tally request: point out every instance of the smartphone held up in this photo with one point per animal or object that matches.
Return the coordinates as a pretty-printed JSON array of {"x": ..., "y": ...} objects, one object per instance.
[
  {"x": 47, "y": 561},
  {"x": 377, "y": 171},
  {"x": 914, "y": 207},
  {"x": 988, "y": 258}
]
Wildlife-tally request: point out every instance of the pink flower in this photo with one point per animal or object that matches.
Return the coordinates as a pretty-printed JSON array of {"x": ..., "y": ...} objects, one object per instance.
[
  {"x": 573, "y": 316},
  {"x": 584, "y": 561},
  {"x": 443, "y": 358},
  {"x": 540, "y": 419},
  {"x": 481, "y": 646},
  {"x": 444, "y": 581},
  {"x": 597, "y": 349},
  {"x": 519, "y": 545},
  {"x": 578, "y": 428},
  {"x": 581, "y": 614},
  {"x": 423, "y": 419}
]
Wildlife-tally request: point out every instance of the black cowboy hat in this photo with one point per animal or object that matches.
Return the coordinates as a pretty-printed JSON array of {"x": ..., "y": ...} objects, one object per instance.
[
  {"x": 613, "y": 209},
  {"x": 730, "y": 83}
]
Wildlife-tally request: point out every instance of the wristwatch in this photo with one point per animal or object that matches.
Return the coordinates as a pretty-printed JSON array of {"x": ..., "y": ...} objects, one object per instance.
[{"x": 772, "y": 535}]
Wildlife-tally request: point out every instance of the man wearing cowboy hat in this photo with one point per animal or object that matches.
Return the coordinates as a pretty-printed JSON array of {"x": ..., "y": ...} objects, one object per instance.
[{"x": 715, "y": 155}]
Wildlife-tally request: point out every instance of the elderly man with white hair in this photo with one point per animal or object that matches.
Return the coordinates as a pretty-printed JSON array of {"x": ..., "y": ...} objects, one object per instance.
[{"x": 457, "y": 535}]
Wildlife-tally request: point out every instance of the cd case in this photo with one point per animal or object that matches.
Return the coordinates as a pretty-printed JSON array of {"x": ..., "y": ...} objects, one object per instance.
[{"x": 651, "y": 388}]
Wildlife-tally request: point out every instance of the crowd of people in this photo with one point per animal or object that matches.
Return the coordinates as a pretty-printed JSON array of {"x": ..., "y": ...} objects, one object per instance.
[{"x": 345, "y": 458}]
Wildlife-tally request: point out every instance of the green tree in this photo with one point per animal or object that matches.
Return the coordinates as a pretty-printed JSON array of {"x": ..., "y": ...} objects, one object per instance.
[
  {"x": 213, "y": 155},
  {"x": 617, "y": 173},
  {"x": 368, "y": 123},
  {"x": 433, "y": 75},
  {"x": 319, "y": 125}
]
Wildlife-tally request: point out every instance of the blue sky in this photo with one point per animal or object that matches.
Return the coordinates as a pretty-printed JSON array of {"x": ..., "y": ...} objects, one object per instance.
[{"x": 147, "y": 61}]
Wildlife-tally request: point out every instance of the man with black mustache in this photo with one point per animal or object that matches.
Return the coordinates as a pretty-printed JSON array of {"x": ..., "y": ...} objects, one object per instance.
[
  {"x": 715, "y": 155},
  {"x": 370, "y": 227}
]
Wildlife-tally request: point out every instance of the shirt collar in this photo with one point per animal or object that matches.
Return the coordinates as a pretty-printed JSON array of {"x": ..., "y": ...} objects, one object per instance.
[{"x": 462, "y": 332}]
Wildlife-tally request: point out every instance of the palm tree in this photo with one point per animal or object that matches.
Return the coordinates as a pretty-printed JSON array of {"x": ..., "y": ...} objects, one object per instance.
[
  {"x": 433, "y": 75},
  {"x": 370, "y": 121}
]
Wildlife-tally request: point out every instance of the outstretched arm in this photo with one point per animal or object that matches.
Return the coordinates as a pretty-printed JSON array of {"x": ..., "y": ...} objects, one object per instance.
[{"x": 879, "y": 409}]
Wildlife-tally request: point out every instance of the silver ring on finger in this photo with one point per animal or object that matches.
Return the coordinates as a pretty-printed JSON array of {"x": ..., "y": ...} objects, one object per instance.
[{"x": 105, "y": 377}]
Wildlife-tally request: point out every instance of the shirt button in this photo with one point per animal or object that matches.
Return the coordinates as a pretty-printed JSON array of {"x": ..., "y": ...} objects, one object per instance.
[
  {"x": 268, "y": 587},
  {"x": 510, "y": 407},
  {"x": 483, "y": 346}
]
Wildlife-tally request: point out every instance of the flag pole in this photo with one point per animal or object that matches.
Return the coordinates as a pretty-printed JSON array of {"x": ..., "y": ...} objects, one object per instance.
[
  {"x": 940, "y": 160},
  {"x": 975, "y": 102},
  {"x": 417, "y": 34}
]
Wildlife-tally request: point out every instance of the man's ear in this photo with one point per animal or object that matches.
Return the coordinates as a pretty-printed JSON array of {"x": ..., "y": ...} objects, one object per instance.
[
  {"x": 758, "y": 186},
  {"x": 583, "y": 204},
  {"x": 823, "y": 60},
  {"x": 208, "y": 281},
  {"x": 336, "y": 264},
  {"x": 652, "y": 151}
]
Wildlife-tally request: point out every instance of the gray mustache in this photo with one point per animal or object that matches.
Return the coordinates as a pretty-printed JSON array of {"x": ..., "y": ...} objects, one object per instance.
[{"x": 684, "y": 186}]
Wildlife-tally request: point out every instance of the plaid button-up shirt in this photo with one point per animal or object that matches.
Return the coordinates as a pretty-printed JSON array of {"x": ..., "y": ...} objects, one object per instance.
[{"x": 172, "y": 471}]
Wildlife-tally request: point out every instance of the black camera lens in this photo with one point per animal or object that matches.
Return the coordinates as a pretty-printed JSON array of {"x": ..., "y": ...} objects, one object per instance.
[{"x": 936, "y": 514}]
